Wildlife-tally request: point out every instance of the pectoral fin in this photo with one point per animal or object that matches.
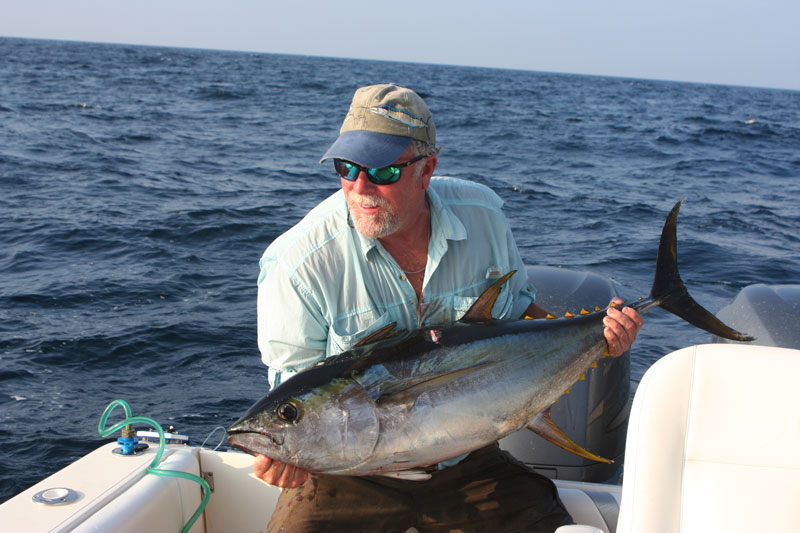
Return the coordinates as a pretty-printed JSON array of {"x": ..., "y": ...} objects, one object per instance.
[
  {"x": 544, "y": 426},
  {"x": 407, "y": 391}
]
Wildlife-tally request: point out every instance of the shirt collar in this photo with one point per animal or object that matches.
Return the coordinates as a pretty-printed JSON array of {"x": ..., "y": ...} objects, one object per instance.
[{"x": 446, "y": 225}]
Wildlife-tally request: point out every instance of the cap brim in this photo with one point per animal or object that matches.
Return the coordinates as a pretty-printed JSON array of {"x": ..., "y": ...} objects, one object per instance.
[{"x": 367, "y": 148}]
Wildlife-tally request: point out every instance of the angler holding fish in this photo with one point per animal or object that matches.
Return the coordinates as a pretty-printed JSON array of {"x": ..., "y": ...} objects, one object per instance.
[{"x": 395, "y": 250}]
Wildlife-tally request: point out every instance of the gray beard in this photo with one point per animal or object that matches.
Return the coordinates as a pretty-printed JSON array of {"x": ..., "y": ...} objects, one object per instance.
[{"x": 375, "y": 226}]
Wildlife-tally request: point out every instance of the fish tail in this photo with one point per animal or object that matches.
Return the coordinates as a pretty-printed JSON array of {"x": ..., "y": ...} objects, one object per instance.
[{"x": 669, "y": 292}]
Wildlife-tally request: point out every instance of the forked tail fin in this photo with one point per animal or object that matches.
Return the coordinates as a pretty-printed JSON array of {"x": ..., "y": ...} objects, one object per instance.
[{"x": 669, "y": 292}]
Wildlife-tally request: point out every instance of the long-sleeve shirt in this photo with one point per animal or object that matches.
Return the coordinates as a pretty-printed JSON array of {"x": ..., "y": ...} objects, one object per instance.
[{"x": 323, "y": 286}]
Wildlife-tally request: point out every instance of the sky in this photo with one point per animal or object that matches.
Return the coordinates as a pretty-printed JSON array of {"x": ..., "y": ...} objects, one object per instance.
[{"x": 730, "y": 42}]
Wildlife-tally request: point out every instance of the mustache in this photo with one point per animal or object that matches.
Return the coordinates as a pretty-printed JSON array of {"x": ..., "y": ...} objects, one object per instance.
[{"x": 368, "y": 201}]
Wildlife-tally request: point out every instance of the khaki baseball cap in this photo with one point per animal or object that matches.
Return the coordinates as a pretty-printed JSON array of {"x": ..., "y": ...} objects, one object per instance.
[{"x": 381, "y": 123}]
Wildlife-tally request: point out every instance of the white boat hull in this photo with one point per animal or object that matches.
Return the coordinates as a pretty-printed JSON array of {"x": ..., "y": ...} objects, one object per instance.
[{"x": 115, "y": 494}]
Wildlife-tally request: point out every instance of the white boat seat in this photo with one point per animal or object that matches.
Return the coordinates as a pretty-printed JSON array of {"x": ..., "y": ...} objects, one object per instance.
[{"x": 713, "y": 443}]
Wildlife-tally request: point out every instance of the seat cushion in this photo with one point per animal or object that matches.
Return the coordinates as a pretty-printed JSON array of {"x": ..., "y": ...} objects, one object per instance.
[{"x": 714, "y": 442}]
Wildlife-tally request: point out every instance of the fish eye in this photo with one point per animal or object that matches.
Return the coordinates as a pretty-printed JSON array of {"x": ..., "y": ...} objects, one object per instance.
[{"x": 287, "y": 412}]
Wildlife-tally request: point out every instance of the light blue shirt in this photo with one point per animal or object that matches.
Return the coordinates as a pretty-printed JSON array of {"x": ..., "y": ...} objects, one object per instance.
[{"x": 323, "y": 286}]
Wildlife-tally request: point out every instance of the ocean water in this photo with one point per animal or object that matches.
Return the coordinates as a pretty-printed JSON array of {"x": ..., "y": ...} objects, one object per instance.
[{"x": 140, "y": 185}]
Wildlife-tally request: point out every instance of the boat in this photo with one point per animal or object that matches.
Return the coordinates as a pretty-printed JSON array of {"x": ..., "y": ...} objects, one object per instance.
[{"x": 708, "y": 444}]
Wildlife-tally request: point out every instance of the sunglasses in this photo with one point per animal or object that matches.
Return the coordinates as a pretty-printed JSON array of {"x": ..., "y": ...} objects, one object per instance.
[{"x": 378, "y": 176}]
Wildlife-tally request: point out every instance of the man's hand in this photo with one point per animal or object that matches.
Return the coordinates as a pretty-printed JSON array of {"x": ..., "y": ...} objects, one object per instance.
[
  {"x": 621, "y": 327},
  {"x": 279, "y": 474}
]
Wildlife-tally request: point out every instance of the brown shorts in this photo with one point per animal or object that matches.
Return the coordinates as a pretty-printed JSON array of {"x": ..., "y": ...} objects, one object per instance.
[{"x": 487, "y": 491}]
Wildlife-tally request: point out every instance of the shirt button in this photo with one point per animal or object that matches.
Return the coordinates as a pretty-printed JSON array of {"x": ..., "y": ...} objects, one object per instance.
[{"x": 402, "y": 277}]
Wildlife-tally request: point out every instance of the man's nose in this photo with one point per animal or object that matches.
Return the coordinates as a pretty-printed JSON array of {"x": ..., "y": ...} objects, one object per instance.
[{"x": 363, "y": 185}]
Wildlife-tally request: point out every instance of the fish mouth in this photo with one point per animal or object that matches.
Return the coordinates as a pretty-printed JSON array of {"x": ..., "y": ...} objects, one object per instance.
[
  {"x": 242, "y": 447},
  {"x": 253, "y": 441}
]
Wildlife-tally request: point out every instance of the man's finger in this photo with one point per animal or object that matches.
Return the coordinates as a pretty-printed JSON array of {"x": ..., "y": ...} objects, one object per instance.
[{"x": 261, "y": 465}]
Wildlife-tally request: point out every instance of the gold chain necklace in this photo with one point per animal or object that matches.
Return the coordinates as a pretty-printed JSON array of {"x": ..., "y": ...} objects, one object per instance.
[{"x": 409, "y": 272}]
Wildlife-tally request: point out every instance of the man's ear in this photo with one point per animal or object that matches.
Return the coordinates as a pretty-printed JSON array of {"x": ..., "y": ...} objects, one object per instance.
[{"x": 427, "y": 170}]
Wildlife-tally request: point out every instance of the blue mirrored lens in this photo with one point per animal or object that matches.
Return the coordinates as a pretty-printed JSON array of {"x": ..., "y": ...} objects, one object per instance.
[{"x": 384, "y": 175}]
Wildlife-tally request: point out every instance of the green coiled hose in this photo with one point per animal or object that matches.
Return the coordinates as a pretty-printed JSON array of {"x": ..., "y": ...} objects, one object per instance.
[{"x": 153, "y": 467}]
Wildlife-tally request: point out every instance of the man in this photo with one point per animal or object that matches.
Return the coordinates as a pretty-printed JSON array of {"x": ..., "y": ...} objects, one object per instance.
[{"x": 397, "y": 245}]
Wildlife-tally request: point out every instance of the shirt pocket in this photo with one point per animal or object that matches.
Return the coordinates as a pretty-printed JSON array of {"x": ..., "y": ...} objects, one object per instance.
[{"x": 345, "y": 334}]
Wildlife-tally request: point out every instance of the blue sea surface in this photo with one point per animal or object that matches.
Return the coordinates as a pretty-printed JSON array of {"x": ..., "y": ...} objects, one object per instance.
[{"x": 140, "y": 185}]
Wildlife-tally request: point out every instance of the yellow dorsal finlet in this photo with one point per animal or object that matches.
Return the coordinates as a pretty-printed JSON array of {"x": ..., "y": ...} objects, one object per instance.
[
  {"x": 568, "y": 315},
  {"x": 584, "y": 311},
  {"x": 549, "y": 316}
]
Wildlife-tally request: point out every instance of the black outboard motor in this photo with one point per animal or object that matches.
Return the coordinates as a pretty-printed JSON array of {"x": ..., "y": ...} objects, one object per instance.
[
  {"x": 770, "y": 313},
  {"x": 595, "y": 412}
]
